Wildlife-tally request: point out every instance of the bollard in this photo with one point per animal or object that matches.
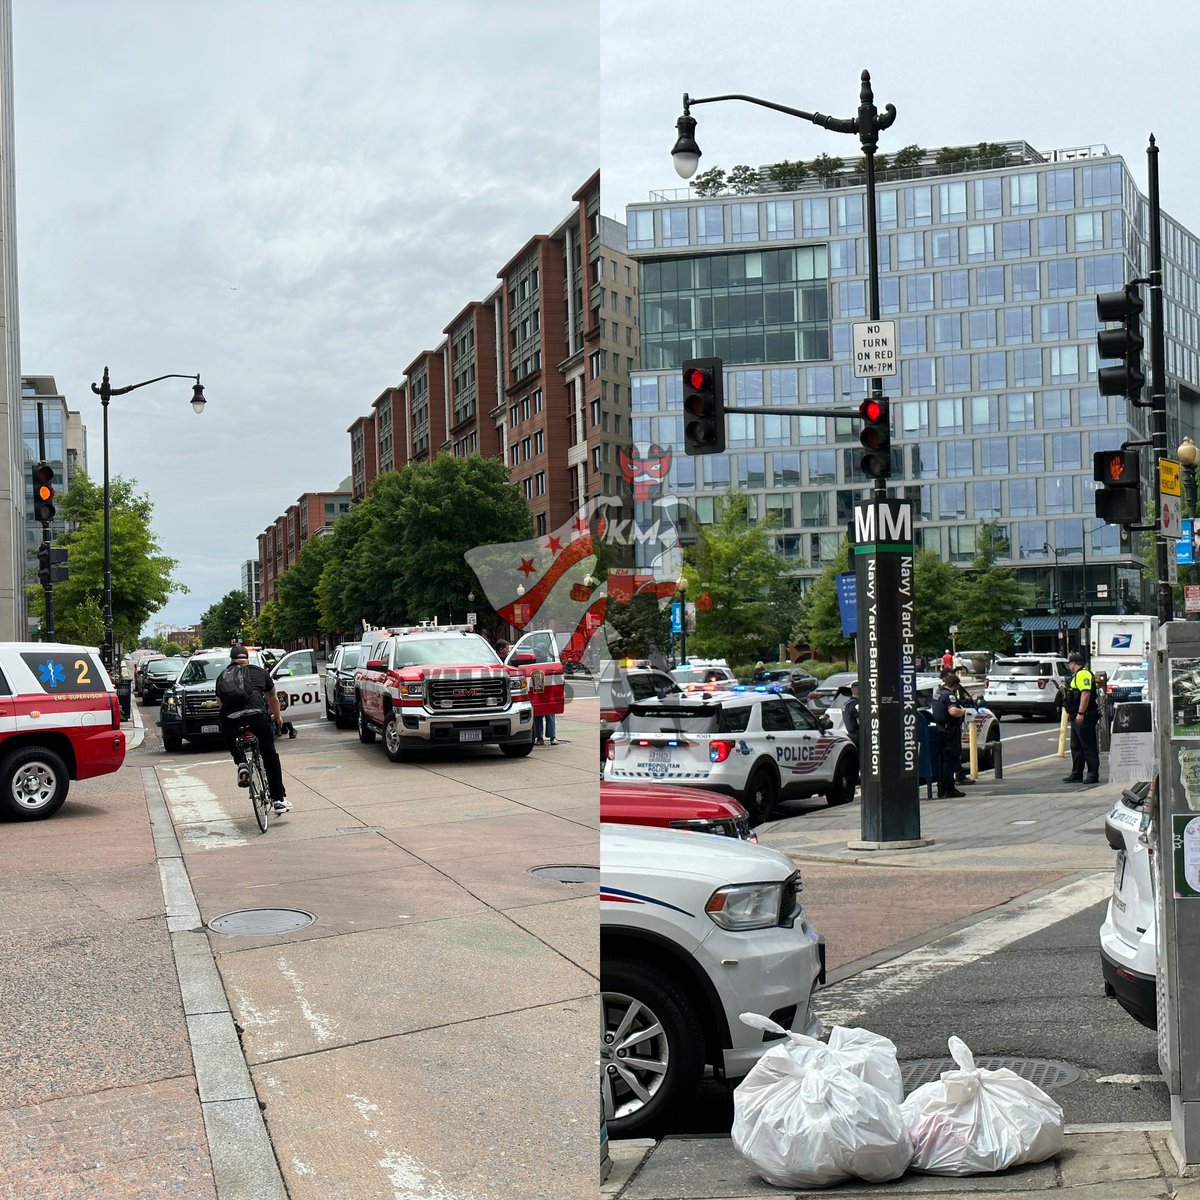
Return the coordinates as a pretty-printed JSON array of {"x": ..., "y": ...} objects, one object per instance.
[
  {"x": 998, "y": 759},
  {"x": 973, "y": 750},
  {"x": 1062, "y": 734}
]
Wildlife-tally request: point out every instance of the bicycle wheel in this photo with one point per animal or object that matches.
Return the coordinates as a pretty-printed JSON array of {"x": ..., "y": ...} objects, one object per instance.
[{"x": 260, "y": 795}]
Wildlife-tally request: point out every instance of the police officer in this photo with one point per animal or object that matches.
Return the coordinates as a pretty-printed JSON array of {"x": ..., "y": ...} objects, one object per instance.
[
  {"x": 965, "y": 701},
  {"x": 947, "y": 714},
  {"x": 850, "y": 720},
  {"x": 1083, "y": 710}
]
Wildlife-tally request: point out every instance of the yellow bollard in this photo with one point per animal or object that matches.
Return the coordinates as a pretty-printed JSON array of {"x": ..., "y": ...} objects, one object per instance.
[
  {"x": 1062, "y": 734},
  {"x": 973, "y": 751}
]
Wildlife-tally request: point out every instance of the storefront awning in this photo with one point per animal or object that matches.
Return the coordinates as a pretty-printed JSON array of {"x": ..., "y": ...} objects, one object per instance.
[{"x": 1050, "y": 624}]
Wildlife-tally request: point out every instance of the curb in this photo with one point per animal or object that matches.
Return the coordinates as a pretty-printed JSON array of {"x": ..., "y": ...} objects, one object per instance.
[
  {"x": 243, "y": 1159},
  {"x": 138, "y": 734}
]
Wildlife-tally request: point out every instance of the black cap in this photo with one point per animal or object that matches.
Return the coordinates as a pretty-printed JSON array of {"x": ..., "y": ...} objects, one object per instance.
[
  {"x": 238, "y": 651},
  {"x": 1075, "y": 656}
]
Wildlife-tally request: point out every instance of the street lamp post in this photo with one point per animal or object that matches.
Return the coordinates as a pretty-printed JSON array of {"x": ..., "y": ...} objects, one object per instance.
[
  {"x": 105, "y": 390},
  {"x": 681, "y": 588},
  {"x": 1056, "y": 603}
]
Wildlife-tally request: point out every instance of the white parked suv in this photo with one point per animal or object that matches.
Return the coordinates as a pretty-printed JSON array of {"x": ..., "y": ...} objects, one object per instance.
[
  {"x": 1031, "y": 685},
  {"x": 694, "y": 930},
  {"x": 757, "y": 745}
]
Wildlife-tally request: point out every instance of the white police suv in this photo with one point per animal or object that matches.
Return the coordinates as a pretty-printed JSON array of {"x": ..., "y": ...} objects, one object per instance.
[{"x": 758, "y": 744}]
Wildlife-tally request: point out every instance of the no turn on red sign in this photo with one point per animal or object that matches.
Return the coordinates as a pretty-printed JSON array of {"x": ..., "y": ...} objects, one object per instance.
[{"x": 874, "y": 347}]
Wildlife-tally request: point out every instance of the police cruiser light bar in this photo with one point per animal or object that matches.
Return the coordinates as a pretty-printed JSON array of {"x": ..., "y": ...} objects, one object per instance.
[{"x": 404, "y": 630}]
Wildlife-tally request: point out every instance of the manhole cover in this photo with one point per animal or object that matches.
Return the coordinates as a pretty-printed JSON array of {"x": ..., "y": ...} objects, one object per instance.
[
  {"x": 1048, "y": 1074},
  {"x": 567, "y": 873},
  {"x": 256, "y": 922}
]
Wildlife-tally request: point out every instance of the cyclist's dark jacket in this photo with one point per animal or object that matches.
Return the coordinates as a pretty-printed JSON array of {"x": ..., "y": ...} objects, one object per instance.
[{"x": 262, "y": 685}]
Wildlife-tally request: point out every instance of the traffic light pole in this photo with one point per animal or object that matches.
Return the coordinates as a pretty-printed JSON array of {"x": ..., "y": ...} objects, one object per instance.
[
  {"x": 1158, "y": 379},
  {"x": 47, "y": 587}
]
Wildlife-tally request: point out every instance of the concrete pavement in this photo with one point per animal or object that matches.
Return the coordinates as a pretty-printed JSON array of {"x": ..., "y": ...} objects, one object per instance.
[{"x": 997, "y": 850}]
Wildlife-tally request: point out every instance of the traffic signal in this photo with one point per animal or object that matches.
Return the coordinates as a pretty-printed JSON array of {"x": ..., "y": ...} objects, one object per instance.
[
  {"x": 1125, "y": 343},
  {"x": 703, "y": 406},
  {"x": 1119, "y": 497},
  {"x": 1054, "y": 603},
  {"x": 43, "y": 492},
  {"x": 52, "y": 564},
  {"x": 876, "y": 436}
]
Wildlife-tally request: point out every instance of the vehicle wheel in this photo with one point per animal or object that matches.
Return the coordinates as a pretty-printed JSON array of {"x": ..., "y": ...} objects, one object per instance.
[
  {"x": 393, "y": 742},
  {"x": 762, "y": 790},
  {"x": 172, "y": 741},
  {"x": 33, "y": 783},
  {"x": 342, "y": 720},
  {"x": 650, "y": 1048},
  {"x": 517, "y": 749},
  {"x": 366, "y": 734},
  {"x": 845, "y": 780},
  {"x": 330, "y": 712}
]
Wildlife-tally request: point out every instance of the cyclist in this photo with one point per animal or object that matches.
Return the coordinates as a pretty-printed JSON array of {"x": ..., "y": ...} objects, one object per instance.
[{"x": 248, "y": 700}]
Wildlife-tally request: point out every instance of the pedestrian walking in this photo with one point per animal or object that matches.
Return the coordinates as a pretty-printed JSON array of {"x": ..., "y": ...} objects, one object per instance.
[
  {"x": 947, "y": 714},
  {"x": 947, "y": 661},
  {"x": 1083, "y": 709}
]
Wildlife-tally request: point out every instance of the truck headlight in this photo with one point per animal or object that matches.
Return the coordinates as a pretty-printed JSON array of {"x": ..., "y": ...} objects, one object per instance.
[
  {"x": 746, "y": 905},
  {"x": 519, "y": 686},
  {"x": 413, "y": 691}
]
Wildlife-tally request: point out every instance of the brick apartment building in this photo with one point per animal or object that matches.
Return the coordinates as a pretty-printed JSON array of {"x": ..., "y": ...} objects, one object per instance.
[{"x": 280, "y": 543}]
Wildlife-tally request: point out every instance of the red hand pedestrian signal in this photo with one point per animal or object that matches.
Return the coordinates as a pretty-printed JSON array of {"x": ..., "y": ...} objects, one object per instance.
[{"x": 1118, "y": 499}]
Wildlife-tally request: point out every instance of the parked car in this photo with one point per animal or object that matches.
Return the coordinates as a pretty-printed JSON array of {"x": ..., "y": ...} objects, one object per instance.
[
  {"x": 1028, "y": 685},
  {"x": 704, "y": 675},
  {"x": 1128, "y": 954},
  {"x": 338, "y": 685},
  {"x": 653, "y": 804},
  {"x": 621, "y": 686},
  {"x": 63, "y": 723},
  {"x": 832, "y": 691},
  {"x": 138, "y": 661},
  {"x": 676, "y": 909},
  {"x": 795, "y": 679},
  {"x": 1127, "y": 683},
  {"x": 157, "y": 675},
  {"x": 756, "y": 746},
  {"x": 190, "y": 710}
]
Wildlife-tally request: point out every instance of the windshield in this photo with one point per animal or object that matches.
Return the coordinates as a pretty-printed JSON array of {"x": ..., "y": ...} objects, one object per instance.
[
  {"x": 351, "y": 657},
  {"x": 654, "y": 717},
  {"x": 200, "y": 669},
  {"x": 450, "y": 651},
  {"x": 1128, "y": 675},
  {"x": 1023, "y": 670},
  {"x": 164, "y": 666}
]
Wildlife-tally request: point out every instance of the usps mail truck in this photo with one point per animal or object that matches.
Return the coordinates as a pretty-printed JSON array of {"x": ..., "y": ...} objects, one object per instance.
[{"x": 1121, "y": 641}]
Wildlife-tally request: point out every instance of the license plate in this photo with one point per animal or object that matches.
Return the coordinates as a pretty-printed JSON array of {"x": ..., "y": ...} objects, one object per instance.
[
  {"x": 660, "y": 756},
  {"x": 470, "y": 735},
  {"x": 210, "y": 729},
  {"x": 1119, "y": 872}
]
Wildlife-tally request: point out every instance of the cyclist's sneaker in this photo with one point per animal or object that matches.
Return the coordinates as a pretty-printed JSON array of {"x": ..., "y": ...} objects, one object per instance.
[
  {"x": 243, "y": 775},
  {"x": 283, "y": 806}
]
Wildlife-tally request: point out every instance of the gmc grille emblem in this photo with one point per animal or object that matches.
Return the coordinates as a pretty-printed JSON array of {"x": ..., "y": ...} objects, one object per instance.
[{"x": 471, "y": 691}]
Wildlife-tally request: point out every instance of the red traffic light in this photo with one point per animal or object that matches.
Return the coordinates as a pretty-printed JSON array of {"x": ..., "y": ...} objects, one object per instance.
[
  {"x": 696, "y": 378},
  {"x": 870, "y": 410}
]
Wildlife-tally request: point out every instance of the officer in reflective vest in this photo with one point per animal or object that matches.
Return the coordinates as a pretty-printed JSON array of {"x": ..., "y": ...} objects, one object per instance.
[{"x": 1083, "y": 711}]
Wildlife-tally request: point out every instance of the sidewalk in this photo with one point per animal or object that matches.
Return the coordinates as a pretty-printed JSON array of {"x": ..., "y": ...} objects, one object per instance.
[{"x": 1029, "y": 820}]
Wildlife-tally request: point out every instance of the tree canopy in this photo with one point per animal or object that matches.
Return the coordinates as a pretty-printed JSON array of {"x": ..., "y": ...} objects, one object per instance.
[{"x": 225, "y": 620}]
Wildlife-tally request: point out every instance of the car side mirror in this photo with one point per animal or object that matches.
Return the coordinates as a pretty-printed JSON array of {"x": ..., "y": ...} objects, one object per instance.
[
  {"x": 377, "y": 664},
  {"x": 825, "y": 722},
  {"x": 525, "y": 658}
]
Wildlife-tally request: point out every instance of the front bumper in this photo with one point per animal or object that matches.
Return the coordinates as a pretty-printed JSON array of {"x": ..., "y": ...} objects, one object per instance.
[{"x": 443, "y": 729}]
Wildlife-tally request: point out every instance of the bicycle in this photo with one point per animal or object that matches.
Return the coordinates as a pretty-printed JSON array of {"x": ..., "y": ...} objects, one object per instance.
[{"x": 260, "y": 792}]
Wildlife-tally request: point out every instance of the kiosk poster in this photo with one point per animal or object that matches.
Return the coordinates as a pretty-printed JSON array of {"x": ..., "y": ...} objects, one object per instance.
[
  {"x": 1131, "y": 747},
  {"x": 1185, "y": 831},
  {"x": 1185, "y": 697}
]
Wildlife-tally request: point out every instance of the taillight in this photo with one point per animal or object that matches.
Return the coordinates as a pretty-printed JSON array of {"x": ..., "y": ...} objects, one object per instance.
[
  {"x": 613, "y": 715},
  {"x": 610, "y": 750},
  {"x": 1042, "y": 684},
  {"x": 114, "y": 706},
  {"x": 718, "y": 752},
  {"x": 1110, "y": 689}
]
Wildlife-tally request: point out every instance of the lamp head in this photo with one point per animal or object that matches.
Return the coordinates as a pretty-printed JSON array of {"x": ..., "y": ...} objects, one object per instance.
[
  {"x": 1188, "y": 452},
  {"x": 198, "y": 400},
  {"x": 682, "y": 584},
  {"x": 685, "y": 153}
]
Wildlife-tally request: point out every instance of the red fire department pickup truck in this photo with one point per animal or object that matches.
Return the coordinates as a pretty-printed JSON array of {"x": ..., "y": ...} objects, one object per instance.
[{"x": 425, "y": 686}]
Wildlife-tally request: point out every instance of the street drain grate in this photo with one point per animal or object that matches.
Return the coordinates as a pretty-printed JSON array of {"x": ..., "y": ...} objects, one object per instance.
[
  {"x": 1047, "y": 1074},
  {"x": 567, "y": 873},
  {"x": 258, "y": 922}
]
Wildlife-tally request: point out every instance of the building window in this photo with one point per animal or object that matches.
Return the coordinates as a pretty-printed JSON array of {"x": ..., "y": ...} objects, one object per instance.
[
  {"x": 1060, "y": 278},
  {"x": 849, "y": 210},
  {"x": 993, "y": 456},
  {"x": 710, "y": 225},
  {"x": 920, "y": 291},
  {"x": 1022, "y": 497},
  {"x": 952, "y": 201},
  {"x": 1025, "y": 282},
  {"x": 674, "y": 227},
  {"x": 1101, "y": 185},
  {"x": 985, "y": 414},
  {"x": 987, "y": 198},
  {"x": 981, "y": 329},
  {"x": 945, "y": 247},
  {"x": 744, "y": 220},
  {"x": 1089, "y": 231},
  {"x": 885, "y": 206},
  {"x": 981, "y": 243},
  {"x": 1052, "y": 235},
  {"x": 989, "y": 285},
  {"x": 1030, "y": 454},
  {"x": 1018, "y": 409},
  {"x": 1066, "y": 451},
  {"x": 949, "y": 416},
  {"x": 991, "y": 370},
  {"x": 986, "y": 497},
  {"x": 1022, "y": 193},
  {"x": 781, "y": 219},
  {"x": 1018, "y": 325},
  {"x": 1014, "y": 239},
  {"x": 1060, "y": 189},
  {"x": 814, "y": 217},
  {"x": 1054, "y": 323},
  {"x": 955, "y": 289},
  {"x": 918, "y": 206}
]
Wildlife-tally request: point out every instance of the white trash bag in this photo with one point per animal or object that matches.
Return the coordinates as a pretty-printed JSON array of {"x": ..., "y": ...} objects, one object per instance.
[
  {"x": 974, "y": 1121},
  {"x": 870, "y": 1056},
  {"x": 809, "y": 1123}
]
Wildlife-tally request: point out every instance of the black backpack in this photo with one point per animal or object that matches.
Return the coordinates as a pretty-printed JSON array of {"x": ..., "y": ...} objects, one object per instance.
[{"x": 235, "y": 688}]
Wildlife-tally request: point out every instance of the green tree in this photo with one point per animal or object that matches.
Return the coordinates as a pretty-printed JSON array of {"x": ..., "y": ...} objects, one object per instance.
[
  {"x": 709, "y": 183},
  {"x": 639, "y": 629},
  {"x": 935, "y": 602},
  {"x": 346, "y": 577},
  {"x": 987, "y": 153},
  {"x": 908, "y": 156},
  {"x": 297, "y": 591},
  {"x": 737, "y": 566},
  {"x": 826, "y": 168},
  {"x": 951, "y": 155},
  {"x": 789, "y": 175},
  {"x": 990, "y": 596},
  {"x": 222, "y": 621},
  {"x": 267, "y": 623},
  {"x": 881, "y": 162},
  {"x": 819, "y": 624},
  {"x": 142, "y": 577},
  {"x": 744, "y": 180}
]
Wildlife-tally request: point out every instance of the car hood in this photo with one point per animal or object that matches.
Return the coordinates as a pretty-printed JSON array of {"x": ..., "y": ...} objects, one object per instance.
[{"x": 694, "y": 856}]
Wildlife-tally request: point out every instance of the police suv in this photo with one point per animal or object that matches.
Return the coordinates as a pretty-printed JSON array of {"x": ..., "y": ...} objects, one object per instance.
[{"x": 758, "y": 744}]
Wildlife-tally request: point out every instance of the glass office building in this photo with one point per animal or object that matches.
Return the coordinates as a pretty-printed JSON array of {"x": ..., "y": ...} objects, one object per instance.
[{"x": 991, "y": 276}]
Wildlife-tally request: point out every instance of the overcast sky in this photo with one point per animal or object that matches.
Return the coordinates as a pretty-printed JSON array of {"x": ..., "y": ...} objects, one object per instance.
[
  {"x": 291, "y": 197},
  {"x": 1052, "y": 74}
]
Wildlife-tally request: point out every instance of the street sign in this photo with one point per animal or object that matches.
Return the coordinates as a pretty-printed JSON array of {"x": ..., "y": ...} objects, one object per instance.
[
  {"x": 1102, "y": 591},
  {"x": 951, "y": 628},
  {"x": 874, "y": 344},
  {"x": 472, "y": 618},
  {"x": 1183, "y": 547},
  {"x": 847, "y": 597},
  {"x": 1168, "y": 477},
  {"x": 1191, "y": 597},
  {"x": 1170, "y": 515},
  {"x": 676, "y": 616}
]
